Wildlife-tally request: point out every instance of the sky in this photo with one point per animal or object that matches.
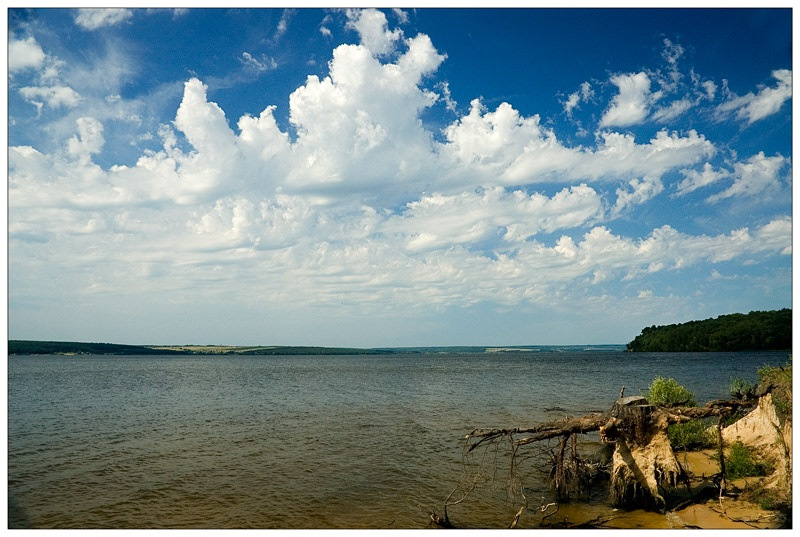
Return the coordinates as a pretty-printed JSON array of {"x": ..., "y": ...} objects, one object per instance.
[{"x": 386, "y": 177}]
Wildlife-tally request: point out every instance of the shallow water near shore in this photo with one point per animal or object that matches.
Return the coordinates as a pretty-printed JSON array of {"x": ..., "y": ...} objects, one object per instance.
[{"x": 303, "y": 441}]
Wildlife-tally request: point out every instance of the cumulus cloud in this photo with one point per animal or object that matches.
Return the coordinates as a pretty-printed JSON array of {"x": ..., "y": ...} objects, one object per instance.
[
  {"x": 492, "y": 139},
  {"x": 24, "y": 54},
  {"x": 753, "y": 107},
  {"x": 373, "y": 28},
  {"x": 667, "y": 248},
  {"x": 92, "y": 18},
  {"x": 616, "y": 156},
  {"x": 632, "y": 104},
  {"x": 471, "y": 217},
  {"x": 518, "y": 150},
  {"x": 363, "y": 106}
]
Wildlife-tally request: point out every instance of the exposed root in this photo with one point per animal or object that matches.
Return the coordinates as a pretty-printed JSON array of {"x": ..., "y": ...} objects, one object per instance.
[{"x": 644, "y": 467}]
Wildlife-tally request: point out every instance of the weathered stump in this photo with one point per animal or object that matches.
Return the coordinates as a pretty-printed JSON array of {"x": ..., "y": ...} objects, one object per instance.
[{"x": 643, "y": 460}]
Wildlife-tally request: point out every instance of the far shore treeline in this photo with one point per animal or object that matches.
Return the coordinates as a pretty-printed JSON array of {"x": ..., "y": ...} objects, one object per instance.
[
  {"x": 71, "y": 347},
  {"x": 755, "y": 331}
]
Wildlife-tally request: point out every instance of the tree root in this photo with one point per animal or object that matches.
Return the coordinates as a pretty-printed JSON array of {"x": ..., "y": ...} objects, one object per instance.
[{"x": 632, "y": 425}]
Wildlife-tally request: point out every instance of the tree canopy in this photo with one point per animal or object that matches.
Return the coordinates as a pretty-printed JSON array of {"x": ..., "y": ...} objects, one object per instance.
[{"x": 755, "y": 331}]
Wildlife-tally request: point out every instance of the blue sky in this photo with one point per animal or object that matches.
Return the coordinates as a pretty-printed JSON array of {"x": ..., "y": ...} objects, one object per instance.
[{"x": 395, "y": 177}]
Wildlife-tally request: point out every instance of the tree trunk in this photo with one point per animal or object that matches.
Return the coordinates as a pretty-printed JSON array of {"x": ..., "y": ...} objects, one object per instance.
[{"x": 643, "y": 460}]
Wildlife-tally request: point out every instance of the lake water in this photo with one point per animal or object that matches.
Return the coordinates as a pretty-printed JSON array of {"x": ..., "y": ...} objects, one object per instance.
[{"x": 298, "y": 441}]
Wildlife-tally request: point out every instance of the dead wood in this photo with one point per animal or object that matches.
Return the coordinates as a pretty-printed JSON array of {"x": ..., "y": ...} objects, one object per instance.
[
  {"x": 643, "y": 463},
  {"x": 594, "y": 421},
  {"x": 544, "y": 431}
]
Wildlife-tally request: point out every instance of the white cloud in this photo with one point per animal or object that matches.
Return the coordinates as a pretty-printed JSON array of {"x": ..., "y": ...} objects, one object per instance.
[
  {"x": 583, "y": 94},
  {"x": 449, "y": 103},
  {"x": 672, "y": 52},
  {"x": 632, "y": 104},
  {"x": 53, "y": 96},
  {"x": 641, "y": 190},
  {"x": 402, "y": 16},
  {"x": 710, "y": 89},
  {"x": 283, "y": 24},
  {"x": 673, "y": 111},
  {"x": 667, "y": 248},
  {"x": 261, "y": 136},
  {"x": 753, "y": 107},
  {"x": 92, "y": 18},
  {"x": 363, "y": 107},
  {"x": 571, "y": 103},
  {"x": 253, "y": 64},
  {"x": 437, "y": 220},
  {"x": 323, "y": 26},
  {"x": 373, "y": 28},
  {"x": 694, "y": 179},
  {"x": 518, "y": 150},
  {"x": 24, "y": 54},
  {"x": 492, "y": 139},
  {"x": 88, "y": 140},
  {"x": 617, "y": 156},
  {"x": 759, "y": 175}
]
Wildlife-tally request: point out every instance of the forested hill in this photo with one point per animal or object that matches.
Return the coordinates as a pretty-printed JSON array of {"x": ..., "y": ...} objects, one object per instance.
[{"x": 755, "y": 331}]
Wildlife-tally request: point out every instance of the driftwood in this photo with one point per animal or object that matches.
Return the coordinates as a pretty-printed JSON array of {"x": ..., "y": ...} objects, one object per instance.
[
  {"x": 642, "y": 465},
  {"x": 595, "y": 421}
]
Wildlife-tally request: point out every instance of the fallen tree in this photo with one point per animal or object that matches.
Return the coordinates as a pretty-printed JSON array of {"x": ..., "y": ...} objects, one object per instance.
[{"x": 643, "y": 465}]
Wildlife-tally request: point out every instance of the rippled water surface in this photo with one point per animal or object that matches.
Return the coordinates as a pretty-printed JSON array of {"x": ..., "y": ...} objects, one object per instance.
[{"x": 298, "y": 441}]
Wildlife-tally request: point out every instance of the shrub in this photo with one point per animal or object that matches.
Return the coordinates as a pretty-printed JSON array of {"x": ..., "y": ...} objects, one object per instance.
[
  {"x": 740, "y": 388},
  {"x": 741, "y": 462},
  {"x": 768, "y": 499},
  {"x": 777, "y": 375},
  {"x": 691, "y": 435},
  {"x": 780, "y": 378},
  {"x": 667, "y": 392}
]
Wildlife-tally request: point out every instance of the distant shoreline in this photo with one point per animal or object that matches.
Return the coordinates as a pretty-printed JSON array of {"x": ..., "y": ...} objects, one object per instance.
[{"x": 71, "y": 348}]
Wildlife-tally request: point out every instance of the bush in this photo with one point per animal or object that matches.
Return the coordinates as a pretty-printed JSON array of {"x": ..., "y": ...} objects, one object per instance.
[
  {"x": 667, "y": 392},
  {"x": 691, "y": 435},
  {"x": 780, "y": 378},
  {"x": 741, "y": 462},
  {"x": 741, "y": 389}
]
